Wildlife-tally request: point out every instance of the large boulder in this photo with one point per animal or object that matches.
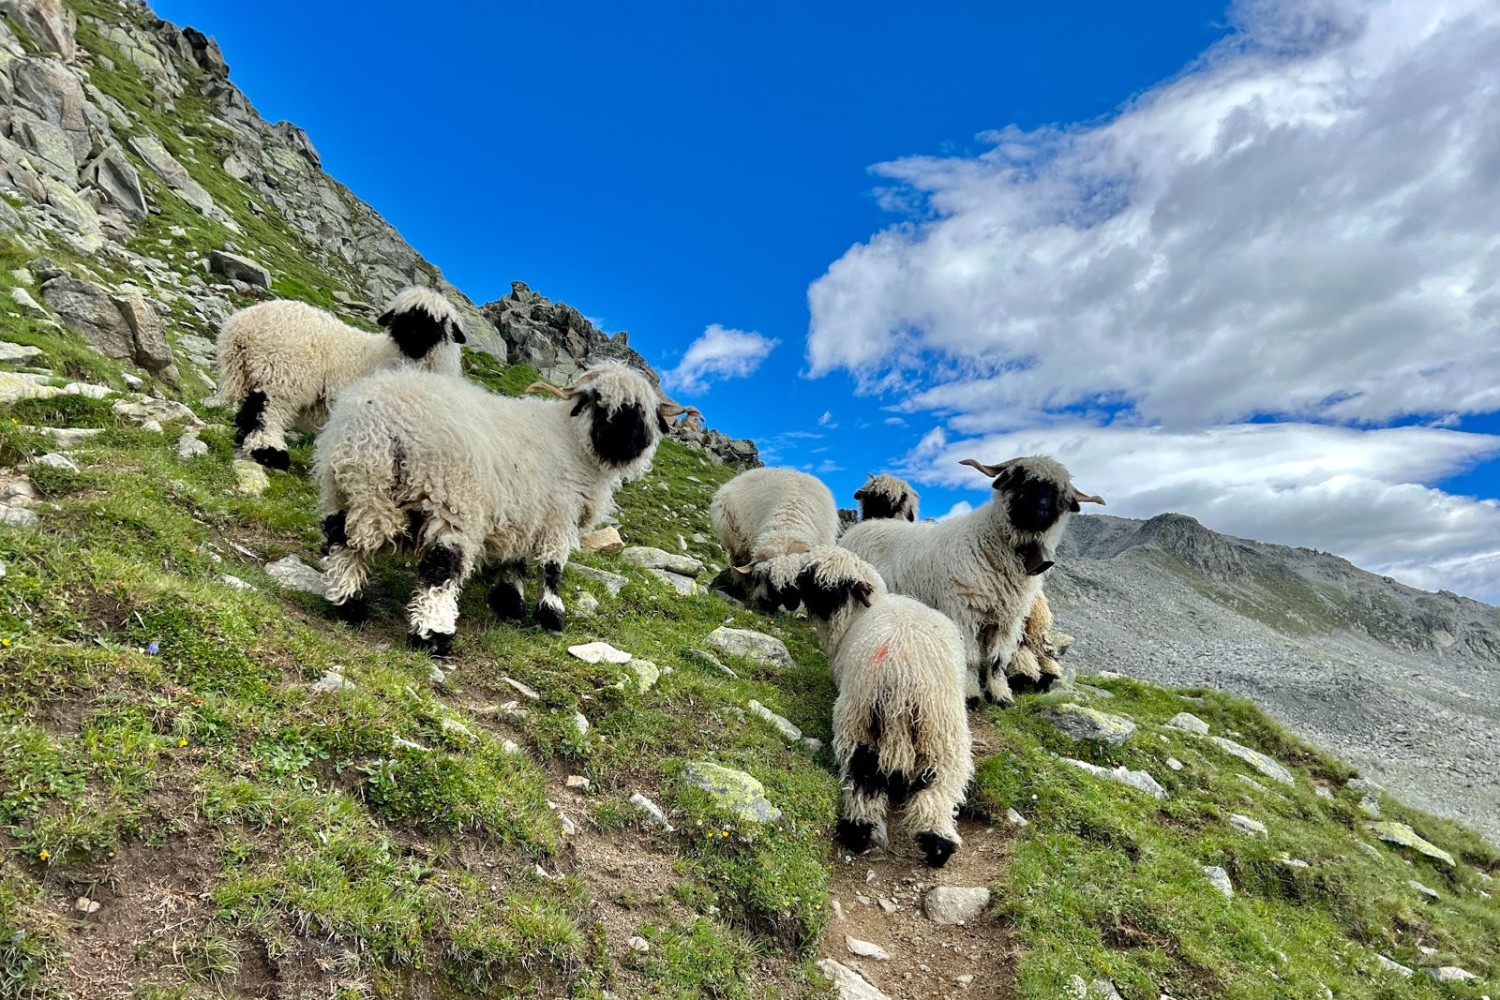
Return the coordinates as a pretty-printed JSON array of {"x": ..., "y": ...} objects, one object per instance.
[
  {"x": 48, "y": 89},
  {"x": 734, "y": 793},
  {"x": 49, "y": 146},
  {"x": 206, "y": 53},
  {"x": 48, "y": 22},
  {"x": 121, "y": 326},
  {"x": 111, "y": 174},
  {"x": 237, "y": 268}
]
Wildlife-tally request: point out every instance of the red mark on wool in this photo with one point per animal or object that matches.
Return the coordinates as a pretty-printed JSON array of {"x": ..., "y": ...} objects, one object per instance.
[{"x": 880, "y": 654}]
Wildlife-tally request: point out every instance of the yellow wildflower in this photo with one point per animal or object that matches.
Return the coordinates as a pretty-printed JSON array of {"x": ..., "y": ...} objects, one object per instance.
[
  {"x": 44, "y": 854},
  {"x": 182, "y": 743}
]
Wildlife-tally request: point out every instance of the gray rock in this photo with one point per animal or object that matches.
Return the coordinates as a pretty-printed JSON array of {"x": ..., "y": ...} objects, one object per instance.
[
  {"x": 250, "y": 479},
  {"x": 19, "y": 352},
  {"x": 190, "y": 445},
  {"x": 176, "y": 176},
  {"x": 866, "y": 949},
  {"x": 581, "y": 723},
  {"x": 1421, "y": 889},
  {"x": 150, "y": 349},
  {"x": 29, "y": 307},
  {"x": 651, "y": 809},
  {"x": 48, "y": 22},
  {"x": 751, "y": 645},
  {"x": 149, "y": 410},
  {"x": 707, "y": 659},
  {"x": 1083, "y": 723},
  {"x": 646, "y": 674},
  {"x": 733, "y": 792},
  {"x": 599, "y": 652},
  {"x": 293, "y": 574},
  {"x": 1265, "y": 765},
  {"x": 1449, "y": 974},
  {"x": 849, "y": 984},
  {"x": 586, "y": 604},
  {"x": 672, "y": 562},
  {"x": 788, "y": 731},
  {"x": 1139, "y": 780},
  {"x": 90, "y": 311},
  {"x": 683, "y": 585},
  {"x": 331, "y": 681},
  {"x": 1188, "y": 722},
  {"x": 237, "y": 268},
  {"x": 48, "y": 143},
  {"x": 613, "y": 583},
  {"x": 114, "y": 177},
  {"x": 17, "y": 517},
  {"x": 1173, "y": 763},
  {"x": 952, "y": 904},
  {"x": 606, "y": 541},
  {"x": 53, "y": 460},
  {"x": 1392, "y": 966},
  {"x": 1220, "y": 880},
  {"x": 639, "y": 944},
  {"x": 1405, "y": 836},
  {"x": 236, "y": 582},
  {"x": 1244, "y": 824}
]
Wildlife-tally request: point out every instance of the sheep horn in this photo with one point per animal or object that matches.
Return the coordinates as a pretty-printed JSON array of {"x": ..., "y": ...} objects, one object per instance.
[
  {"x": 1088, "y": 498},
  {"x": 989, "y": 470},
  {"x": 551, "y": 390}
]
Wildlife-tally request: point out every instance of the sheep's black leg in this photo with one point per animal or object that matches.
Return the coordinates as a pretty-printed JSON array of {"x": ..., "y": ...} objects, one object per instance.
[
  {"x": 865, "y": 799},
  {"x": 549, "y": 609},
  {"x": 434, "y": 608},
  {"x": 936, "y": 848},
  {"x": 508, "y": 597},
  {"x": 251, "y": 416},
  {"x": 855, "y": 835},
  {"x": 273, "y": 458},
  {"x": 335, "y": 530}
]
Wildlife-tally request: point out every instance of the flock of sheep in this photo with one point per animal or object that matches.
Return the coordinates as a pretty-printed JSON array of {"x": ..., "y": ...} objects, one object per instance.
[{"x": 920, "y": 620}]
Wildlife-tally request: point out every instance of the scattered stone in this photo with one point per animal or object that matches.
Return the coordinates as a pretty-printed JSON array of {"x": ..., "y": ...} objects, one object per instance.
[
  {"x": 1245, "y": 824},
  {"x": 1396, "y": 967},
  {"x": 1323, "y": 791},
  {"x": 406, "y": 744},
  {"x": 599, "y": 652},
  {"x": 734, "y": 792},
  {"x": 1427, "y": 891},
  {"x": 452, "y": 727},
  {"x": 190, "y": 446},
  {"x": 673, "y": 562},
  {"x": 1016, "y": 819},
  {"x": 850, "y": 984},
  {"x": 29, "y": 307},
  {"x": 237, "y": 268},
  {"x": 581, "y": 723},
  {"x": 1174, "y": 763},
  {"x": 1370, "y": 807},
  {"x": 1370, "y": 849},
  {"x": 613, "y": 583},
  {"x": 510, "y": 746},
  {"x": 236, "y": 582},
  {"x": 1220, "y": 880},
  {"x": 521, "y": 689},
  {"x": 751, "y": 645},
  {"x": 14, "y": 387},
  {"x": 1139, "y": 780},
  {"x": 646, "y": 674},
  {"x": 952, "y": 904},
  {"x": 53, "y": 460},
  {"x": 1294, "y": 863},
  {"x": 864, "y": 949},
  {"x": 251, "y": 478},
  {"x": 638, "y": 943},
  {"x": 683, "y": 585},
  {"x": 435, "y": 675},
  {"x": 88, "y": 389},
  {"x": 965, "y": 980},
  {"x": 1265, "y": 765},
  {"x": 586, "y": 604},
  {"x": 293, "y": 574},
  {"x": 1450, "y": 974},
  {"x": 1188, "y": 722},
  {"x": 17, "y": 517},
  {"x": 789, "y": 732},
  {"x": 1246, "y": 779},
  {"x": 86, "y": 906},
  {"x": 651, "y": 809},
  {"x": 888, "y": 905},
  {"x": 569, "y": 828},
  {"x": 578, "y": 781},
  {"x": 709, "y": 660},
  {"x": 1365, "y": 786},
  {"x": 681, "y": 544},
  {"x": 17, "y": 352},
  {"x": 331, "y": 681},
  {"x": 1081, "y": 723},
  {"x": 813, "y": 745},
  {"x": 160, "y": 411},
  {"x": 1405, "y": 836},
  {"x": 605, "y": 541}
]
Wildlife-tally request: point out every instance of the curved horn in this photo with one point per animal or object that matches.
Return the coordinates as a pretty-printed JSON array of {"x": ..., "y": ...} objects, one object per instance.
[
  {"x": 551, "y": 390},
  {"x": 1087, "y": 497},
  {"x": 989, "y": 470},
  {"x": 870, "y": 474}
]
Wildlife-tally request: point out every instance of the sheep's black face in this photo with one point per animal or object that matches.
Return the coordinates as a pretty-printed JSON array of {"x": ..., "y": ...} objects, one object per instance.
[
  {"x": 1034, "y": 504},
  {"x": 825, "y": 598},
  {"x": 879, "y": 506},
  {"x": 619, "y": 436},
  {"x": 771, "y": 598},
  {"x": 417, "y": 331}
]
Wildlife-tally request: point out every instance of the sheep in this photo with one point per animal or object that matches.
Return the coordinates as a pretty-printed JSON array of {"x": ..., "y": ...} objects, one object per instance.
[
  {"x": 282, "y": 362},
  {"x": 900, "y": 725},
  {"x": 1034, "y": 666},
  {"x": 461, "y": 476},
  {"x": 983, "y": 569},
  {"x": 765, "y": 517}
]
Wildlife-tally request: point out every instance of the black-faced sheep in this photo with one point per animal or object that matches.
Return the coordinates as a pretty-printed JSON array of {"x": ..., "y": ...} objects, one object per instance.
[
  {"x": 282, "y": 362},
  {"x": 900, "y": 727},
  {"x": 463, "y": 476},
  {"x": 1034, "y": 666},
  {"x": 764, "y": 518},
  {"x": 983, "y": 569}
]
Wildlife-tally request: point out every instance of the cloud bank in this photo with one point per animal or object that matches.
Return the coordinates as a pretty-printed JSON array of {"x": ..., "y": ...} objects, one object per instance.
[{"x": 720, "y": 353}]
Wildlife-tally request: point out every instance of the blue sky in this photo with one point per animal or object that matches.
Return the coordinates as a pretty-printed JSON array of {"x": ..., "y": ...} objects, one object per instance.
[{"x": 1236, "y": 262}]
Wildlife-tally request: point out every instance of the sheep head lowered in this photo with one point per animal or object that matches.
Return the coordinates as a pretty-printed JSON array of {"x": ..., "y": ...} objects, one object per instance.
[
  {"x": 625, "y": 415},
  {"x": 1034, "y": 496},
  {"x": 419, "y": 319},
  {"x": 772, "y": 578}
]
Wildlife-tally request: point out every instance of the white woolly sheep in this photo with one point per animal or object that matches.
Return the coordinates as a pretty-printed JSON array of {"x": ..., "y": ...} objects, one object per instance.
[
  {"x": 900, "y": 727},
  {"x": 983, "y": 569},
  {"x": 462, "y": 476},
  {"x": 282, "y": 362},
  {"x": 1033, "y": 666},
  {"x": 763, "y": 518}
]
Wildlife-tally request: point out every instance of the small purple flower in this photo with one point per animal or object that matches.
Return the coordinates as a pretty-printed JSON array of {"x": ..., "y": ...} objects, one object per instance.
[{"x": 152, "y": 649}]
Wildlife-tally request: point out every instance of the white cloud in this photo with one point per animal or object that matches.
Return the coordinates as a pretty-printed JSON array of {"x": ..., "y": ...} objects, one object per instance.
[
  {"x": 895, "y": 422},
  {"x": 826, "y": 420},
  {"x": 957, "y": 510},
  {"x": 719, "y": 354},
  {"x": 1358, "y": 493}
]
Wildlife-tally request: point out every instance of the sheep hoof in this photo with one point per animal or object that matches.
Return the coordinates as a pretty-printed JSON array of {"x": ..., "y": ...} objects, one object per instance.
[
  {"x": 1023, "y": 684},
  {"x": 854, "y": 835},
  {"x": 353, "y": 612},
  {"x": 1046, "y": 682},
  {"x": 550, "y": 618},
  {"x": 436, "y": 644},
  {"x": 507, "y": 604},
  {"x": 971, "y": 702},
  {"x": 936, "y": 848},
  {"x": 273, "y": 458}
]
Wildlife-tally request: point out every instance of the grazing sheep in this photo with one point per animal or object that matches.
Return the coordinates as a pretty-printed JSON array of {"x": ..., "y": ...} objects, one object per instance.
[
  {"x": 886, "y": 496},
  {"x": 282, "y": 362},
  {"x": 464, "y": 476},
  {"x": 983, "y": 569},
  {"x": 900, "y": 727},
  {"x": 764, "y": 518}
]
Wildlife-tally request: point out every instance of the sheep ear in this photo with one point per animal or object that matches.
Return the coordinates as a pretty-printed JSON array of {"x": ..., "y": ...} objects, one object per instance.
[
  {"x": 862, "y": 592},
  {"x": 458, "y": 333},
  {"x": 860, "y": 494},
  {"x": 385, "y": 318}
]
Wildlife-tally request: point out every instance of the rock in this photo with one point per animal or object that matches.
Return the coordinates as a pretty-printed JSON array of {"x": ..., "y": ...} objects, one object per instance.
[
  {"x": 49, "y": 22},
  {"x": 331, "y": 681},
  {"x": 683, "y": 585},
  {"x": 19, "y": 352},
  {"x": 639, "y": 944},
  {"x": 1323, "y": 792},
  {"x": 849, "y": 984},
  {"x": 672, "y": 562},
  {"x": 651, "y": 809},
  {"x": 88, "y": 389},
  {"x": 613, "y": 583},
  {"x": 1405, "y": 836},
  {"x": 147, "y": 411},
  {"x": 586, "y": 604},
  {"x": 29, "y": 307},
  {"x": 89, "y": 311},
  {"x": 520, "y": 689},
  {"x": 49, "y": 145},
  {"x": 1396, "y": 967},
  {"x": 788, "y": 731},
  {"x": 165, "y": 166},
  {"x": 569, "y": 828},
  {"x": 646, "y": 674},
  {"x": 1246, "y": 779},
  {"x": 86, "y": 906},
  {"x": 189, "y": 445},
  {"x": 435, "y": 675},
  {"x": 606, "y": 541},
  {"x": 1245, "y": 824},
  {"x": 112, "y": 175},
  {"x": 707, "y": 659},
  {"x": 235, "y": 582},
  {"x": 1173, "y": 763},
  {"x": 150, "y": 351},
  {"x": 965, "y": 980},
  {"x": 733, "y": 792},
  {"x": 206, "y": 53},
  {"x": 1364, "y": 786},
  {"x": 53, "y": 460},
  {"x": 1294, "y": 863},
  {"x": 251, "y": 479},
  {"x": 237, "y": 268},
  {"x": 1139, "y": 780},
  {"x": 1370, "y": 807},
  {"x": 1220, "y": 880},
  {"x": 599, "y": 652},
  {"x": 17, "y": 517},
  {"x": 1421, "y": 889},
  {"x": 953, "y": 904},
  {"x": 293, "y": 574},
  {"x": 14, "y": 387},
  {"x": 812, "y": 745},
  {"x": 1445, "y": 974},
  {"x": 1188, "y": 722},
  {"x": 751, "y": 645},
  {"x": 578, "y": 781},
  {"x": 864, "y": 949},
  {"x": 1265, "y": 765},
  {"x": 581, "y": 723},
  {"x": 1081, "y": 723},
  {"x": 1016, "y": 819}
]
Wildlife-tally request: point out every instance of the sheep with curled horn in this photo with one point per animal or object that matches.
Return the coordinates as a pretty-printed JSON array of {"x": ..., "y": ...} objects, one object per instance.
[
  {"x": 982, "y": 569},
  {"x": 765, "y": 518},
  {"x": 464, "y": 477},
  {"x": 283, "y": 362}
]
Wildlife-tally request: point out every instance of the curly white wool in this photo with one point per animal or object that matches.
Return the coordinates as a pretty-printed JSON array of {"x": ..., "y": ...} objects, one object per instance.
[{"x": 765, "y": 515}]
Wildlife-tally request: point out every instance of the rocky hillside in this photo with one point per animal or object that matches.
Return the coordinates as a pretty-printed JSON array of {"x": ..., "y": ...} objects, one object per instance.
[{"x": 1401, "y": 682}]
